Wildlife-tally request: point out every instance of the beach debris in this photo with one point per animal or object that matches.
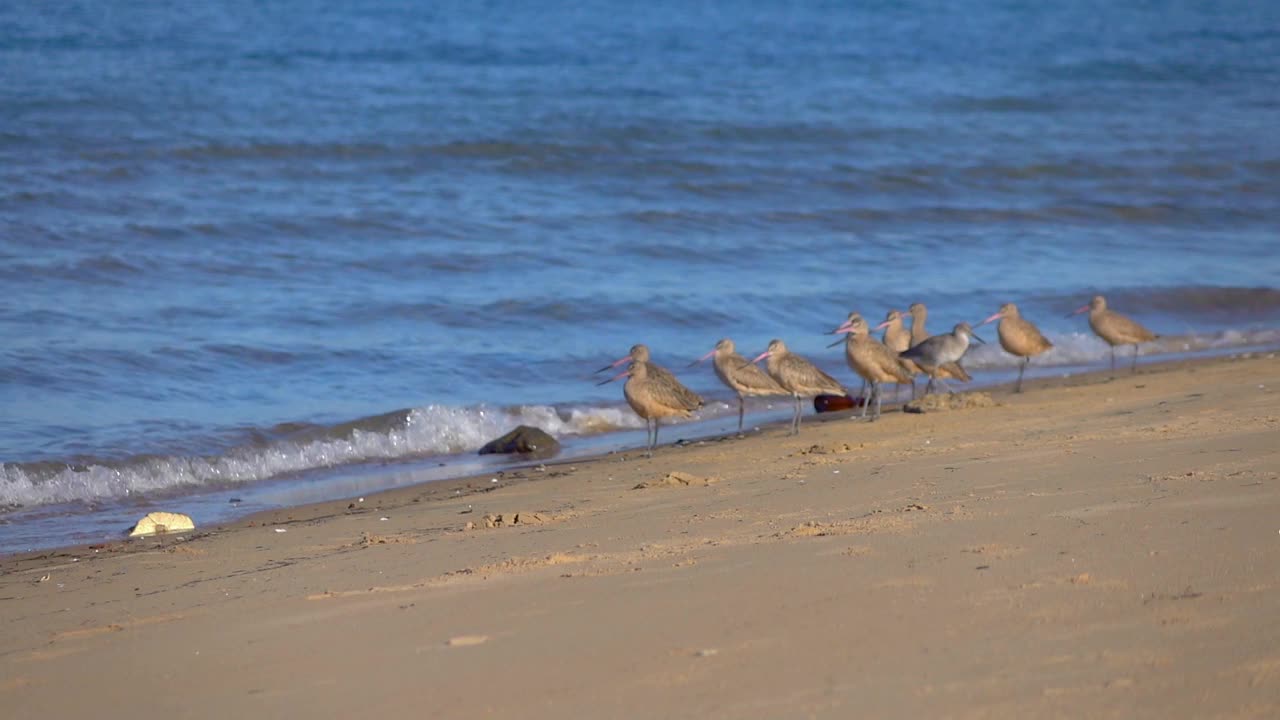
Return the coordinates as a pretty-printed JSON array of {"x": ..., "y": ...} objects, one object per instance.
[
  {"x": 707, "y": 652},
  {"x": 836, "y": 403},
  {"x": 494, "y": 520},
  {"x": 825, "y": 449},
  {"x": 279, "y": 530},
  {"x": 678, "y": 479},
  {"x": 467, "y": 640},
  {"x": 952, "y": 401},
  {"x": 158, "y": 523},
  {"x": 44, "y": 578},
  {"x": 527, "y": 441}
]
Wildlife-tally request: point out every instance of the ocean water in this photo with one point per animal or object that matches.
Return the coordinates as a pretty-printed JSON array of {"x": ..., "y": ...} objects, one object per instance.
[{"x": 278, "y": 252}]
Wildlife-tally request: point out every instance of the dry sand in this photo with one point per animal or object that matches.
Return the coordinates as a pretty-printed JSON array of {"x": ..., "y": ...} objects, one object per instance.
[{"x": 1090, "y": 548}]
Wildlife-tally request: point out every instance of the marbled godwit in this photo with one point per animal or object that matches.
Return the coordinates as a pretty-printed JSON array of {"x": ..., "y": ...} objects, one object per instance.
[
  {"x": 740, "y": 375},
  {"x": 1115, "y": 329},
  {"x": 870, "y": 359},
  {"x": 898, "y": 339},
  {"x": 919, "y": 314},
  {"x": 937, "y": 351},
  {"x": 653, "y": 398},
  {"x": 640, "y": 353},
  {"x": 1018, "y": 337},
  {"x": 797, "y": 376}
]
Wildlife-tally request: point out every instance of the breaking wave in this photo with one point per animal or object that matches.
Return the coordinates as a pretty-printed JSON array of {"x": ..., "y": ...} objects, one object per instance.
[{"x": 399, "y": 436}]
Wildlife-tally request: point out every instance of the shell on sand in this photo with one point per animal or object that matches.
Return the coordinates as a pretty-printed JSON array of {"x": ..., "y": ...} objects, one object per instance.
[{"x": 162, "y": 522}]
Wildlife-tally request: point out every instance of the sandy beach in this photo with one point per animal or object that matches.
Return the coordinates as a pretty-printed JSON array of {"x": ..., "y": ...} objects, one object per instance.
[{"x": 1089, "y": 548}]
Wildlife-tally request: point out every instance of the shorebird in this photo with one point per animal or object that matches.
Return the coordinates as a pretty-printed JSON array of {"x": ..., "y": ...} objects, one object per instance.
[
  {"x": 898, "y": 339},
  {"x": 870, "y": 359},
  {"x": 919, "y": 314},
  {"x": 934, "y": 354},
  {"x": 654, "y": 397},
  {"x": 1115, "y": 329},
  {"x": 1019, "y": 337},
  {"x": 640, "y": 354},
  {"x": 797, "y": 376},
  {"x": 740, "y": 375}
]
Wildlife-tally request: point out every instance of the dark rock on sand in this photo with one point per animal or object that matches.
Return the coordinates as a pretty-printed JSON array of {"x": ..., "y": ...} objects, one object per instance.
[{"x": 524, "y": 440}]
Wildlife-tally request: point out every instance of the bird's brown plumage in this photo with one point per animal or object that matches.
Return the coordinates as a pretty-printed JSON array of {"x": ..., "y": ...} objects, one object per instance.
[
  {"x": 868, "y": 357},
  {"x": 1114, "y": 328},
  {"x": 1019, "y": 336},
  {"x": 799, "y": 377}
]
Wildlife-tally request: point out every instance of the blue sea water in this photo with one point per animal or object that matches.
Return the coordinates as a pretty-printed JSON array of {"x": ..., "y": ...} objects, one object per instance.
[{"x": 289, "y": 250}]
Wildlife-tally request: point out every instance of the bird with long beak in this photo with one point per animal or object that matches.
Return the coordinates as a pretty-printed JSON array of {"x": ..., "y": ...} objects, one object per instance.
[
  {"x": 740, "y": 375},
  {"x": 870, "y": 359},
  {"x": 1018, "y": 336},
  {"x": 797, "y": 376},
  {"x": 897, "y": 337},
  {"x": 939, "y": 350},
  {"x": 1115, "y": 329},
  {"x": 654, "y": 398},
  {"x": 638, "y": 353}
]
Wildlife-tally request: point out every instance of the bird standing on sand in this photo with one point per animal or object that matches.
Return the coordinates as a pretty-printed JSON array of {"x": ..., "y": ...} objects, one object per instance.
[
  {"x": 740, "y": 375},
  {"x": 654, "y": 397},
  {"x": 898, "y": 339},
  {"x": 936, "y": 352},
  {"x": 952, "y": 370},
  {"x": 797, "y": 376},
  {"x": 1115, "y": 329},
  {"x": 870, "y": 359},
  {"x": 1018, "y": 336}
]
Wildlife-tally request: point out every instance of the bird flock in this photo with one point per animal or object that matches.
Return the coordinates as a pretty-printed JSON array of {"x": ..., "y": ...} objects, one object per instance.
[{"x": 897, "y": 357}]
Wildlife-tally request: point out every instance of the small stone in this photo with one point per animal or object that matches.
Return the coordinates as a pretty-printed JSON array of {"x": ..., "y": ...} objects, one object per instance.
[{"x": 528, "y": 441}]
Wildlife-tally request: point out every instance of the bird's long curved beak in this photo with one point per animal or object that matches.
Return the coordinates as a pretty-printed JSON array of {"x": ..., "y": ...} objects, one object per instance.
[
  {"x": 974, "y": 335},
  {"x": 760, "y": 357},
  {"x": 884, "y": 324},
  {"x": 702, "y": 359},
  {"x": 624, "y": 373},
  {"x": 613, "y": 364},
  {"x": 993, "y": 318},
  {"x": 1077, "y": 311},
  {"x": 840, "y": 331}
]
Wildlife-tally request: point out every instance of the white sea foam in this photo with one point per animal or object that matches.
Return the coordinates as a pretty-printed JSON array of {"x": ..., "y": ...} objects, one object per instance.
[{"x": 426, "y": 431}]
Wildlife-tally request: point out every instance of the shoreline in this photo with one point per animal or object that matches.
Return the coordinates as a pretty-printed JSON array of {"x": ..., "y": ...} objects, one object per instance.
[
  {"x": 518, "y": 471},
  {"x": 1087, "y": 548}
]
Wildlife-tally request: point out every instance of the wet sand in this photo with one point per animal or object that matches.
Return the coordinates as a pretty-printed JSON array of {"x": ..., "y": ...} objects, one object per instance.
[{"x": 1090, "y": 548}]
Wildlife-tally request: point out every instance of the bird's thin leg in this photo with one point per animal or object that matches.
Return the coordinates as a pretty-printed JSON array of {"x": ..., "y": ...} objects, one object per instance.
[
  {"x": 1134, "y": 368},
  {"x": 741, "y": 410},
  {"x": 913, "y": 387},
  {"x": 946, "y": 387},
  {"x": 929, "y": 388},
  {"x": 866, "y": 399},
  {"x": 878, "y": 390},
  {"x": 1113, "y": 358},
  {"x": 1022, "y": 367},
  {"x": 795, "y": 421}
]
